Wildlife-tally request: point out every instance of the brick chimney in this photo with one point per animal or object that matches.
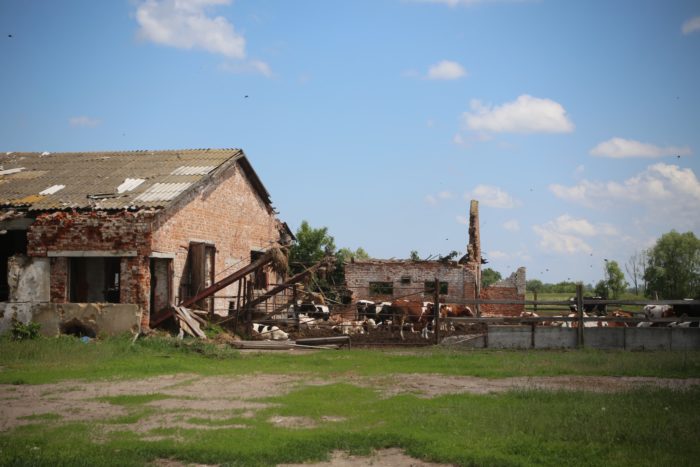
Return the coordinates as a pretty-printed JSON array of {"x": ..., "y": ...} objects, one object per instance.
[{"x": 474, "y": 246}]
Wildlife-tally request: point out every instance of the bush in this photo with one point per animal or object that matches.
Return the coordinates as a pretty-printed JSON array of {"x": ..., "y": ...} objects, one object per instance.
[{"x": 21, "y": 331}]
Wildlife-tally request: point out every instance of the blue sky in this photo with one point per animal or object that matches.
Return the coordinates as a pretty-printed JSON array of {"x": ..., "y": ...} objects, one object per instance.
[{"x": 575, "y": 124}]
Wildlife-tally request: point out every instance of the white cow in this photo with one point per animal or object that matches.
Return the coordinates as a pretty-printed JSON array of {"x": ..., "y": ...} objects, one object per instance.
[{"x": 269, "y": 332}]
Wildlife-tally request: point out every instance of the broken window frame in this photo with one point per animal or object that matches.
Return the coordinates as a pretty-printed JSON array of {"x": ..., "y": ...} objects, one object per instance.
[
  {"x": 379, "y": 288},
  {"x": 429, "y": 288}
]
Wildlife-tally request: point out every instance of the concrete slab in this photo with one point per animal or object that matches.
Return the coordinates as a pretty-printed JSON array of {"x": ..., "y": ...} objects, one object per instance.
[
  {"x": 509, "y": 337},
  {"x": 685, "y": 338},
  {"x": 91, "y": 319},
  {"x": 604, "y": 338},
  {"x": 555, "y": 338},
  {"x": 648, "y": 338}
]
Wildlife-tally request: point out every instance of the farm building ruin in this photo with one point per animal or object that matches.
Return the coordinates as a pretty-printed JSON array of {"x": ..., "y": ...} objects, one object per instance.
[
  {"x": 115, "y": 237},
  {"x": 385, "y": 280}
]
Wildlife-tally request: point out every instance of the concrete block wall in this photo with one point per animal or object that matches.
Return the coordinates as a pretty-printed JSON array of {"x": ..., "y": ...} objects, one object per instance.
[{"x": 521, "y": 337}]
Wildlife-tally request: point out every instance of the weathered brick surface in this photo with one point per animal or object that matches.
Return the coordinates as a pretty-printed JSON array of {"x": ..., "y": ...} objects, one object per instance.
[
  {"x": 231, "y": 216},
  {"x": 59, "y": 280},
  {"x": 359, "y": 274},
  {"x": 511, "y": 288},
  {"x": 92, "y": 230},
  {"x": 227, "y": 213}
]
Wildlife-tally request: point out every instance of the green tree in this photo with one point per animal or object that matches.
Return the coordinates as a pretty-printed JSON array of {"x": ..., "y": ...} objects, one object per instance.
[
  {"x": 489, "y": 276},
  {"x": 615, "y": 282},
  {"x": 673, "y": 266},
  {"x": 534, "y": 285},
  {"x": 344, "y": 255},
  {"x": 311, "y": 246},
  {"x": 414, "y": 255}
]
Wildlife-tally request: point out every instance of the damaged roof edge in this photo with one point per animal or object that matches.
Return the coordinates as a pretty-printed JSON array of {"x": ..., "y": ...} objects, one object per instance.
[
  {"x": 247, "y": 168},
  {"x": 254, "y": 179}
]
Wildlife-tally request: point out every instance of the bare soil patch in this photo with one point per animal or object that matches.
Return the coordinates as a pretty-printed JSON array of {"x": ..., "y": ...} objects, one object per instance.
[
  {"x": 222, "y": 397},
  {"x": 385, "y": 457}
]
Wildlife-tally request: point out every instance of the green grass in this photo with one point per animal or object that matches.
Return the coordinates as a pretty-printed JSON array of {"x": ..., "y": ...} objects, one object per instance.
[
  {"x": 646, "y": 427},
  {"x": 51, "y": 360}
]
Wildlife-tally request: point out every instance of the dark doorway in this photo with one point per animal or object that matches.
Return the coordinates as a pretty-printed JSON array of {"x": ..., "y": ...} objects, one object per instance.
[{"x": 12, "y": 242}]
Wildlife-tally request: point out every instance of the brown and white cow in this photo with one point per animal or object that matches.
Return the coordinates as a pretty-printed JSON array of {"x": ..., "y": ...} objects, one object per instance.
[{"x": 413, "y": 313}]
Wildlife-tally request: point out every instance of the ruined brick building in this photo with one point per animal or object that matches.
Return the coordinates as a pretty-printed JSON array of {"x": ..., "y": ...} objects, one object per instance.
[
  {"x": 385, "y": 280},
  {"x": 130, "y": 232}
]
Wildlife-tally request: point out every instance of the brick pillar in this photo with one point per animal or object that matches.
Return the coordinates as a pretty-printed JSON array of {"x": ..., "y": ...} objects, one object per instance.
[
  {"x": 135, "y": 286},
  {"x": 59, "y": 280}
]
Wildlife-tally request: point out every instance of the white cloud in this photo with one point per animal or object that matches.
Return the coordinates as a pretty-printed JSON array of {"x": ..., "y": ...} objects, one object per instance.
[
  {"x": 430, "y": 199},
  {"x": 492, "y": 196},
  {"x": 512, "y": 225},
  {"x": 668, "y": 194},
  {"x": 498, "y": 255},
  {"x": 558, "y": 242},
  {"x": 691, "y": 25},
  {"x": 184, "y": 24},
  {"x": 446, "y": 70},
  {"x": 445, "y": 195},
  {"x": 658, "y": 183},
  {"x": 526, "y": 114},
  {"x": 83, "y": 121},
  {"x": 462, "y": 220},
  {"x": 563, "y": 234},
  {"x": 252, "y": 67},
  {"x": 619, "y": 148}
]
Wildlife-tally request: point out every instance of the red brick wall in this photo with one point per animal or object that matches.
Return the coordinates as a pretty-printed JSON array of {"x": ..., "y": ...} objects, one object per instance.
[
  {"x": 501, "y": 293},
  {"x": 93, "y": 230},
  {"x": 135, "y": 285},
  {"x": 231, "y": 216},
  {"x": 358, "y": 275},
  {"x": 227, "y": 213},
  {"x": 59, "y": 280}
]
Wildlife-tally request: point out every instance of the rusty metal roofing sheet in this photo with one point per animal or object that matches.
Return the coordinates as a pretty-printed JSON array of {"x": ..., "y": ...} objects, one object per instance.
[{"x": 110, "y": 180}]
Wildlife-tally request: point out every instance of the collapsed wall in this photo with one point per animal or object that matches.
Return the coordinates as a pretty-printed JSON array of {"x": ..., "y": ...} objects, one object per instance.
[{"x": 511, "y": 288}]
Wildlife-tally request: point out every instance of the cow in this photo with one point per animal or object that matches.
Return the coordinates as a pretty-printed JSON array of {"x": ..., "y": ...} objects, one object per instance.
[
  {"x": 600, "y": 309},
  {"x": 349, "y": 328},
  {"x": 269, "y": 332},
  {"x": 687, "y": 310},
  {"x": 620, "y": 314},
  {"x": 656, "y": 312},
  {"x": 409, "y": 312},
  {"x": 380, "y": 312},
  {"x": 312, "y": 310}
]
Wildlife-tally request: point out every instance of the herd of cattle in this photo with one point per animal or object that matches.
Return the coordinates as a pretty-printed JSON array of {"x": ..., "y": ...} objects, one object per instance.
[{"x": 419, "y": 317}]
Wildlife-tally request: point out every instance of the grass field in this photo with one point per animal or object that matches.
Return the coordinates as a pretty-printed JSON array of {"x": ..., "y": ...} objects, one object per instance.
[{"x": 112, "y": 403}]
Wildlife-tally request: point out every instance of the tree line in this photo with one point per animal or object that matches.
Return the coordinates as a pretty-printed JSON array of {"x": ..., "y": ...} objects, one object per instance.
[{"x": 668, "y": 270}]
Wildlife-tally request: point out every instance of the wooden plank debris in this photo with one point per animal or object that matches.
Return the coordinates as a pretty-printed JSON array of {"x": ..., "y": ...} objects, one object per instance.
[{"x": 188, "y": 323}]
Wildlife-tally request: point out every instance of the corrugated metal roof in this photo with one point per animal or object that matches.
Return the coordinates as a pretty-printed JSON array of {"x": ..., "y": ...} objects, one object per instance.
[{"x": 110, "y": 180}]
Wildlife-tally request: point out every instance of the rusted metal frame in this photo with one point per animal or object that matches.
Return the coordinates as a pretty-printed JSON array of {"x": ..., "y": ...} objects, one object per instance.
[
  {"x": 285, "y": 285},
  {"x": 228, "y": 280},
  {"x": 212, "y": 289},
  {"x": 436, "y": 311}
]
